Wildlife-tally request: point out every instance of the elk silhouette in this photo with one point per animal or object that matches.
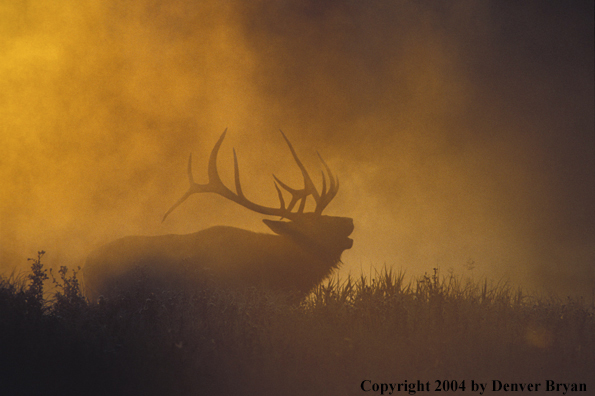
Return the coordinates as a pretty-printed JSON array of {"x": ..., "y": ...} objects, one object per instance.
[{"x": 306, "y": 248}]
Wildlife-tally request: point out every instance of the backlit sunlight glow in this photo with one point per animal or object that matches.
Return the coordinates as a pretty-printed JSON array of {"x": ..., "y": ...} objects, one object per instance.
[{"x": 450, "y": 148}]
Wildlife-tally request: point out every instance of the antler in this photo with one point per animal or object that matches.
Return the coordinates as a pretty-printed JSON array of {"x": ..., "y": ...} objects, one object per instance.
[{"x": 215, "y": 185}]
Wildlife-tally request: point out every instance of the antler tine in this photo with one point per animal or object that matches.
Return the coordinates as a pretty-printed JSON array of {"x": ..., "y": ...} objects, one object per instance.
[
  {"x": 333, "y": 186},
  {"x": 309, "y": 187},
  {"x": 281, "y": 200},
  {"x": 236, "y": 174},
  {"x": 214, "y": 178},
  {"x": 326, "y": 197},
  {"x": 296, "y": 195},
  {"x": 178, "y": 203}
]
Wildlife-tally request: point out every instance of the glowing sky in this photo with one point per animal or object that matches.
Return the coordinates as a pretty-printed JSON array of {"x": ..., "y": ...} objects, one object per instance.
[{"x": 461, "y": 131}]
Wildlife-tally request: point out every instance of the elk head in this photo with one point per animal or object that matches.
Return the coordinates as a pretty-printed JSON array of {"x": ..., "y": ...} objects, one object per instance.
[{"x": 327, "y": 235}]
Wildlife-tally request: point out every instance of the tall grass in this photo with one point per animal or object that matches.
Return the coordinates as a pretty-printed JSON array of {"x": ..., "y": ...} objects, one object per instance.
[{"x": 253, "y": 342}]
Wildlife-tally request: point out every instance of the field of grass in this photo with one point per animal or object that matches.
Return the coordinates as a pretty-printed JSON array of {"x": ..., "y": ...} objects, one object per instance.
[{"x": 346, "y": 338}]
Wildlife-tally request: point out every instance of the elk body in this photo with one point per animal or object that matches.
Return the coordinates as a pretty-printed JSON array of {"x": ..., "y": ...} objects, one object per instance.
[{"x": 305, "y": 248}]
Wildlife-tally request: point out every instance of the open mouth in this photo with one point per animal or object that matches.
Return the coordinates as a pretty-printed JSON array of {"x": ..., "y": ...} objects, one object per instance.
[{"x": 348, "y": 243}]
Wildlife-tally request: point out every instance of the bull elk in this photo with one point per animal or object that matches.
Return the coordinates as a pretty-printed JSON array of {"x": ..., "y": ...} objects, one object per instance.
[{"x": 306, "y": 248}]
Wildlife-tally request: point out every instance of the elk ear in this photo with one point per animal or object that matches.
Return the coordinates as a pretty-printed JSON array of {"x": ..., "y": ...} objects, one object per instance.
[{"x": 278, "y": 227}]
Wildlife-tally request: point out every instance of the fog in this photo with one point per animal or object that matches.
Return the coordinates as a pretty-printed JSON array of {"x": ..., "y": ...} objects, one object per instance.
[{"x": 462, "y": 132}]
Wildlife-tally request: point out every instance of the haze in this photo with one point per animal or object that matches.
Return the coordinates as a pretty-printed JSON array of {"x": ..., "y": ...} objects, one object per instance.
[{"x": 462, "y": 132}]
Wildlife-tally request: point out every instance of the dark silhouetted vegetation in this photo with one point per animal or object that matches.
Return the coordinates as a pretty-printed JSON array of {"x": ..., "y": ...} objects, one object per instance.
[{"x": 254, "y": 342}]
